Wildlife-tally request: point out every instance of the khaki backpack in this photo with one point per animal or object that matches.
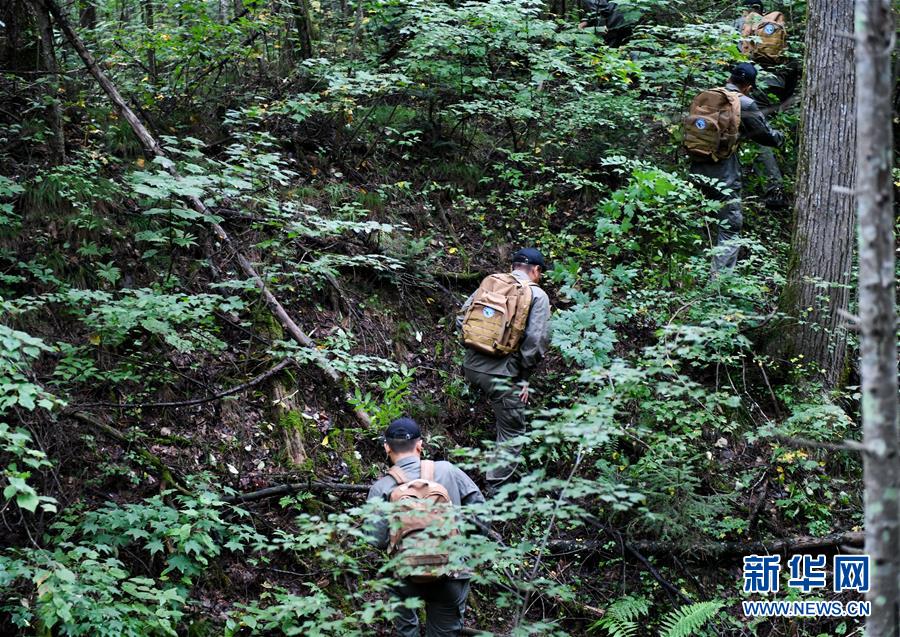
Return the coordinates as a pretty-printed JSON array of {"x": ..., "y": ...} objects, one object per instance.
[
  {"x": 495, "y": 322},
  {"x": 764, "y": 36},
  {"x": 421, "y": 522},
  {"x": 712, "y": 128}
]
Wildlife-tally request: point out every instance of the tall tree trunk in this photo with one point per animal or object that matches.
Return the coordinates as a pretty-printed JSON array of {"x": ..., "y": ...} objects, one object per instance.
[
  {"x": 878, "y": 319},
  {"x": 822, "y": 244},
  {"x": 151, "y": 50},
  {"x": 87, "y": 14},
  {"x": 303, "y": 23},
  {"x": 54, "y": 108}
]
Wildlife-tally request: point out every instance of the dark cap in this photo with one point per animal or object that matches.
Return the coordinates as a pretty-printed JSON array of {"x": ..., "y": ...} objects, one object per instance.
[
  {"x": 744, "y": 74},
  {"x": 403, "y": 429},
  {"x": 754, "y": 4},
  {"x": 531, "y": 256}
]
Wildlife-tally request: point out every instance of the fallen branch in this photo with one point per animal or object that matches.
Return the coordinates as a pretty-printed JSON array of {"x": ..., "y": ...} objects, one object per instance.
[
  {"x": 166, "y": 473},
  {"x": 705, "y": 550},
  {"x": 198, "y": 401},
  {"x": 805, "y": 443},
  {"x": 296, "y": 487},
  {"x": 460, "y": 277},
  {"x": 153, "y": 148}
]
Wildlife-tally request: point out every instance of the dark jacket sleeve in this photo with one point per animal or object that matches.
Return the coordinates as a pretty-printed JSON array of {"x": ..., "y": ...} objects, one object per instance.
[
  {"x": 469, "y": 493},
  {"x": 536, "y": 341},
  {"x": 378, "y": 527},
  {"x": 755, "y": 127}
]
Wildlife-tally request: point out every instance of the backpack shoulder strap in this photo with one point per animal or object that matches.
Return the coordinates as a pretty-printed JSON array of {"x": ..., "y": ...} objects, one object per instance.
[
  {"x": 426, "y": 470},
  {"x": 398, "y": 475}
]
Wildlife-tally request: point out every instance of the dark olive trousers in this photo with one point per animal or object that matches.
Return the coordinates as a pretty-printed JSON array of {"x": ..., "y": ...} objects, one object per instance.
[
  {"x": 509, "y": 412},
  {"x": 445, "y": 605}
]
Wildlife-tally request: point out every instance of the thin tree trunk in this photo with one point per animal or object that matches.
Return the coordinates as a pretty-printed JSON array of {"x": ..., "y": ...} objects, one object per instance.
[
  {"x": 87, "y": 15},
  {"x": 303, "y": 23},
  {"x": 151, "y": 147},
  {"x": 151, "y": 50},
  {"x": 878, "y": 319},
  {"x": 54, "y": 108},
  {"x": 822, "y": 245}
]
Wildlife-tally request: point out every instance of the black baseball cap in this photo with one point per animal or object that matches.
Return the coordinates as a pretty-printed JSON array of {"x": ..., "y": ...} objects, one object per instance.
[
  {"x": 754, "y": 4},
  {"x": 403, "y": 429},
  {"x": 531, "y": 256},
  {"x": 744, "y": 74}
]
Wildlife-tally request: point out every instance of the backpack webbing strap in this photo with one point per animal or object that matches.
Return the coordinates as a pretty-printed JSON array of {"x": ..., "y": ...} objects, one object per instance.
[
  {"x": 426, "y": 470},
  {"x": 397, "y": 474}
]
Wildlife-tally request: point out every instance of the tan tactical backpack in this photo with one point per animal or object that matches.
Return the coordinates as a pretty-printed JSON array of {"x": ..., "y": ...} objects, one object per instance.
[
  {"x": 764, "y": 36},
  {"x": 495, "y": 322},
  {"x": 421, "y": 522},
  {"x": 712, "y": 128}
]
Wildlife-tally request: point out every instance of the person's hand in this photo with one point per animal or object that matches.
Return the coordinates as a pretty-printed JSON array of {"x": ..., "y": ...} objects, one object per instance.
[{"x": 523, "y": 395}]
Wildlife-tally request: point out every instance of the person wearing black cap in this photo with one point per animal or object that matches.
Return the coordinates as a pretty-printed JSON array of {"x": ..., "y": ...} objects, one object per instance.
[
  {"x": 445, "y": 598},
  {"x": 728, "y": 171},
  {"x": 504, "y": 379}
]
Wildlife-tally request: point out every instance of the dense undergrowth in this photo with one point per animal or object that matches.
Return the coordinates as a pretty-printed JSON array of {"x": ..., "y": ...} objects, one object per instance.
[{"x": 373, "y": 179}]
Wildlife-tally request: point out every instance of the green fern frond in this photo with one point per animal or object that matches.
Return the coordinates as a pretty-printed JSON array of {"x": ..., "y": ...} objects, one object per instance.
[
  {"x": 622, "y": 615},
  {"x": 685, "y": 621}
]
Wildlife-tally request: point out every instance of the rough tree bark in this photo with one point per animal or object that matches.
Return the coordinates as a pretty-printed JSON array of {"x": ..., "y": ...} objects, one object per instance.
[
  {"x": 878, "y": 318},
  {"x": 152, "y": 147},
  {"x": 54, "y": 108},
  {"x": 822, "y": 242}
]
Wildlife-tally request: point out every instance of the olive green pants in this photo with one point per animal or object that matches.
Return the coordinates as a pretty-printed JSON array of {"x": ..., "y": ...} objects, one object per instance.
[{"x": 509, "y": 412}]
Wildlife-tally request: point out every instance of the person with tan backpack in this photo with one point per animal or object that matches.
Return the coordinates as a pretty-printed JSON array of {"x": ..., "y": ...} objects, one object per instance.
[
  {"x": 764, "y": 35},
  {"x": 718, "y": 120},
  {"x": 764, "y": 40},
  {"x": 505, "y": 328},
  {"x": 423, "y": 516}
]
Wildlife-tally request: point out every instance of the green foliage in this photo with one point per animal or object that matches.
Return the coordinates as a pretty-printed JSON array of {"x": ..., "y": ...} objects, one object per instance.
[
  {"x": 185, "y": 322},
  {"x": 624, "y": 616},
  {"x": 84, "y": 583},
  {"x": 78, "y": 590},
  {"x": 687, "y": 620},
  {"x": 394, "y": 400},
  {"x": 415, "y": 139},
  {"x": 17, "y": 350},
  {"x": 584, "y": 333}
]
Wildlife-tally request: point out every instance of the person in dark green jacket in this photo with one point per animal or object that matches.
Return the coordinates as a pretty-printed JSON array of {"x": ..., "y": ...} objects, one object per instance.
[
  {"x": 619, "y": 24},
  {"x": 728, "y": 171},
  {"x": 504, "y": 379}
]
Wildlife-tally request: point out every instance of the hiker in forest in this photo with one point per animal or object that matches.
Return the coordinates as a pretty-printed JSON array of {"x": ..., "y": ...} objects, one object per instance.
[
  {"x": 764, "y": 40},
  {"x": 505, "y": 327},
  {"x": 427, "y": 495},
  {"x": 602, "y": 13},
  {"x": 719, "y": 119}
]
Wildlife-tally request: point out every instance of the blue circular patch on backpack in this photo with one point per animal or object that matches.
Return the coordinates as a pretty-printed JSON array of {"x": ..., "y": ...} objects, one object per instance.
[
  {"x": 769, "y": 29},
  {"x": 700, "y": 123},
  {"x": 488, "y": 312}
]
